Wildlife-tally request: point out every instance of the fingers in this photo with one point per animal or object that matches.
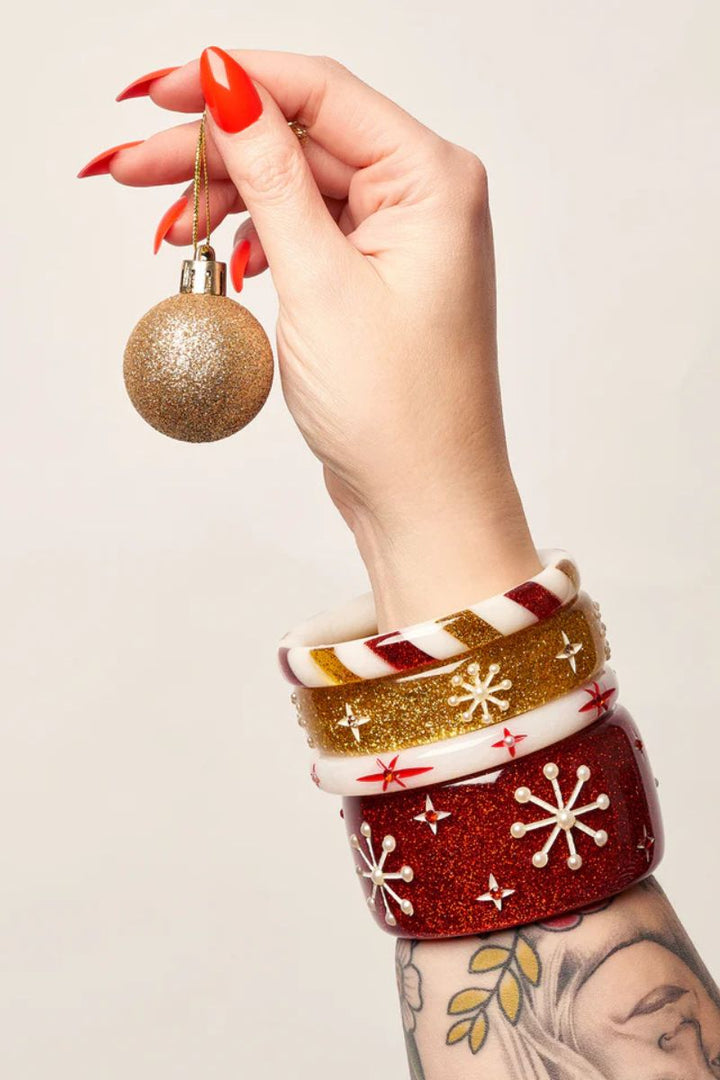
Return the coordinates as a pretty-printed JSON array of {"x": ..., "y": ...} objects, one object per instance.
[
  {"x": 169, "y": 158},
  {"x": 351, "y": 120},
  {"x": 267, "y": 164}
]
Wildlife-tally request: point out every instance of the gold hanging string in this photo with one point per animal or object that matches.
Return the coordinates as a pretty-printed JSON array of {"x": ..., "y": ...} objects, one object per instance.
[{"x": 200, "y": 179}]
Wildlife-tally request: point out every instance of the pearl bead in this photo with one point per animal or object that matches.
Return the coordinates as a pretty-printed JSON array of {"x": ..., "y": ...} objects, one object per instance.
[
  {"x": 473, "y": 669},
  {"x": 509, "y": 740},
  {"x": 371, "y": 902},
  {"x": 540, "y": 859},
  {"x": 456, "y": 680},
  {"x": 574, "y": 862},
  {"x": 407, "y": 907},
  {"x": 523, "y": 794},
  {"x": 550, "y": 771},
  {"x": 354, "y": 842},
  {"x": 377, "y": 877},
  {"x": 390, "y": 919},
  {"x": 453, "y": 699},
  {"x": 407, "y": 873},
  {"x": 493, "y": 669},
  {"x": 601, "y": 838},
  {"x": 388, "y": 843},
  {"x": 583, "y": 773},
  {"x": 517, "y": 830},
  {"x": 365, "y": 829},
  {"x": 566, "y": 820},
  {"x": 603, "y": 801}
]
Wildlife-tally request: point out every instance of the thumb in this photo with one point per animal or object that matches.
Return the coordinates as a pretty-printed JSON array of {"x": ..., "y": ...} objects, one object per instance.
[{"x": 265, "y": 160}]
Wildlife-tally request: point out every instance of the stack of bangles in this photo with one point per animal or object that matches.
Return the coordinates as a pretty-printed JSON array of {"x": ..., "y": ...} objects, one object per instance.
[{"x": 489, "y": 776}]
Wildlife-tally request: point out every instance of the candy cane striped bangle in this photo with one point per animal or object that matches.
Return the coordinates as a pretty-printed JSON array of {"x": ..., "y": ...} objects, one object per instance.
[
  {"x": 503, "y": 679},
  {"x": 562, "y": 828},
  {"x": 462, "y": 755},
  {"x": 305, "y": 661}
]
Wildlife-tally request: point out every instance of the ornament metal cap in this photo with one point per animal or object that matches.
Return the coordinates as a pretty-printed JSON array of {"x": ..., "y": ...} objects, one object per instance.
[{"x": 204, "y": 274}]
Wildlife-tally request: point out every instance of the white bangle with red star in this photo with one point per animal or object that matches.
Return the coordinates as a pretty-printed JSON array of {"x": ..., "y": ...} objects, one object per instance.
[{"x": 461, "y": 755}]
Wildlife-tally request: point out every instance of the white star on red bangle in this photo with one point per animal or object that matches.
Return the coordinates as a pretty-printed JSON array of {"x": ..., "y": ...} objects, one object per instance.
[
  {"x": 430, "y": 816},
  {"x": 495, "y": 893}
]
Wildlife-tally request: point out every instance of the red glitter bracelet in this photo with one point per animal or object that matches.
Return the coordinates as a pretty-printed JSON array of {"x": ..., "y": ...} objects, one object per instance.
[{"x": 552, "y": 832}]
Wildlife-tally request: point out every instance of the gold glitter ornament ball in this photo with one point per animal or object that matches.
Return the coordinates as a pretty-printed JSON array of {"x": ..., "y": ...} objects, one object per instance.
[{"x": 198, "y": 366}]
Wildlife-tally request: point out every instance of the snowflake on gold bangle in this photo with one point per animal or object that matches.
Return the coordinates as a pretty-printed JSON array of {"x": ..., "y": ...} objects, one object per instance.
[
  {"x": 480, "y": 692},
  {"x": 379, "y": 876},
  {"x": 564, "y": 817}
]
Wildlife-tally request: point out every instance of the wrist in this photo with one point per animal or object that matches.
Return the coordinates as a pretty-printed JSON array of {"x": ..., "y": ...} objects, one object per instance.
[{"x": 444, "y": 549}]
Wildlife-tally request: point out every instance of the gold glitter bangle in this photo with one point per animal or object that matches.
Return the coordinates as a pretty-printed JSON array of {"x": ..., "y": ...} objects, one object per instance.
[{"x": 492, "y": 683}]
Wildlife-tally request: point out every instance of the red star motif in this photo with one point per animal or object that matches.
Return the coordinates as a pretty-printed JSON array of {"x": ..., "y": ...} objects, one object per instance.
[
  {"x": 599, "y": 699},
  {"x": 509, "y": 741},
  {"x": 390, "y": 775},
  {"x": 314, "y": 775}
]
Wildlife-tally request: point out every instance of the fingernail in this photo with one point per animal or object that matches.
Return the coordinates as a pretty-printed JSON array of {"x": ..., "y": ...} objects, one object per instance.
[
  {"x": 168, "y": 220},
  {"x": 141, "y": 87},
  {"x": 228, "y": 91},
  {"x": 238, "y": 263},
  {"x": 101, "y": 164}
]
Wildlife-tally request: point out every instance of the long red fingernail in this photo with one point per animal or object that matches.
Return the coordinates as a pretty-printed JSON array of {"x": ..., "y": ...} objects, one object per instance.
[
  {"x": 101, "y": 164},
  {"x": 168, "y": 220},
  {"x": 238, "y": 263},
  {"x": 141, "y": 87},
  {"x": 228, "y": 91}
]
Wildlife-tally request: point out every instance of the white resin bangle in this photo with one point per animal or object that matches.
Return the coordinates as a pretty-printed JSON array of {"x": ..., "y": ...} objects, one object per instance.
[
  {"x": 462, "y": 755},
  {"x": 361, "y": 653}
]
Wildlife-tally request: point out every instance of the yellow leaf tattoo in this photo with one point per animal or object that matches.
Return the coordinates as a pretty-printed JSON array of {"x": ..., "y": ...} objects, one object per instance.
[
  {"x": 458, "y": 1031},
  {"x": 488, "y": 958},
  {"x": 510, "y": 996},
  {"x": 528, "y": 960},
  {"x": 468, "y": 1000},
  {"x": 478, "y": 1032}
]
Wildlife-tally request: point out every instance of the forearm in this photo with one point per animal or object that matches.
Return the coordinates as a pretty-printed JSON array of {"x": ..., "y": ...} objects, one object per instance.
[{"x": 608, "y": 995}]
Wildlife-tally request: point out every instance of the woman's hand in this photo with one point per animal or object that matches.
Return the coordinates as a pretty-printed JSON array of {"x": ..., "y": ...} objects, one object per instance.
[{"x": 377, "y": 233}]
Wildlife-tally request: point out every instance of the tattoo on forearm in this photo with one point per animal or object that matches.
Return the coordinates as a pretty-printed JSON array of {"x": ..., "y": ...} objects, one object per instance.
[{"x": 615, "y": 992}]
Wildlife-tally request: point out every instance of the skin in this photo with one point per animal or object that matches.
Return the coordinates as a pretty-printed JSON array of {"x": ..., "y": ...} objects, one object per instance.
[
  {"x": 378, "y": 237},
  {"x": 377, "y": 234}
]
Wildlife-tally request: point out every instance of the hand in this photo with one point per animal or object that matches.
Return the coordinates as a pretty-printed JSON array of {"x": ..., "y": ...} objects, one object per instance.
[{"x": 377, "y": 233}]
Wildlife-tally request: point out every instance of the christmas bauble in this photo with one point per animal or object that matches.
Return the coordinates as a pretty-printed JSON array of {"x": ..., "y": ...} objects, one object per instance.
[{"x": 198, "y": 366}]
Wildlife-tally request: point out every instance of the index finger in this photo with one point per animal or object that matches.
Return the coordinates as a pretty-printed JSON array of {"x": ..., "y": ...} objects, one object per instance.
[{"x": 357, "y": 124}]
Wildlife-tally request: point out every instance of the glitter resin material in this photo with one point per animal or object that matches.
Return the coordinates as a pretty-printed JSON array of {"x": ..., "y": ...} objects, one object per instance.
[
  {"x": 567, "y": 826},
  {"x": 198, "y": 367},
  {"x": 505, "y": 678},
  {"x": 486, "y": 748},
  {"x": 424, "y": 644}
]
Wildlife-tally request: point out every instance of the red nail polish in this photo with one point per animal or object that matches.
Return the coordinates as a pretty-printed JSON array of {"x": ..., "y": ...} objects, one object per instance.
[
  {"x": 228, "y": 91},
  {"x": 101, "y": 164},
  {"x": 238, "y": 263},
  {"x": 141, "y": 87},
  {"x": 168, "y": 220}
]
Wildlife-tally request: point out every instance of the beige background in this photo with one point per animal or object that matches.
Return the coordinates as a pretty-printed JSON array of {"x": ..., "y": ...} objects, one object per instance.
[{"x": 176, "y": 899}]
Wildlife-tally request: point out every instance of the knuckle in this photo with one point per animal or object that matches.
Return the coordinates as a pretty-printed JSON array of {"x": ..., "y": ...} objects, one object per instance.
[
  {"x": 273, "y": 171},
  {"x": 330, "y": 65},
  {"x": 474, "y": 177}
]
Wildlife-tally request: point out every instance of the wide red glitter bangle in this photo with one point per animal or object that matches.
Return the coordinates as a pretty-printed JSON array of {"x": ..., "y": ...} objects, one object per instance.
[{"x": 561, "y": 828}]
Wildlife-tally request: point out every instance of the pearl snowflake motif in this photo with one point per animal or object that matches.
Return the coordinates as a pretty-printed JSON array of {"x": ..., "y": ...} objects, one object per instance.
[
  {"x": 563, "y": 816},
  {"x": 379, "y": 876},
  {"x": 480, "y": 692}
]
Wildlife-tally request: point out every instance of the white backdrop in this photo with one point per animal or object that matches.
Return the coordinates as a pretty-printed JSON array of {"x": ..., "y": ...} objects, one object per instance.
[{"x": 176, "y": 898}]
